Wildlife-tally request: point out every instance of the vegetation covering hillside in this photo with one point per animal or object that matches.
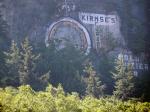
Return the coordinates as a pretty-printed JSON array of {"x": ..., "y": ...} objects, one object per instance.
[
  {"x": 85, "y": 91},
  {"x": 25, "y": 99},
  {"x": 74, "y": 81}
]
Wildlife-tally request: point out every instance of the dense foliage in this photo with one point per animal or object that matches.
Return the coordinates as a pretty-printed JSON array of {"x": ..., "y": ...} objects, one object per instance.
[
  {"x": 70, "y": 67},
  {"x": 25, "y": 99}
]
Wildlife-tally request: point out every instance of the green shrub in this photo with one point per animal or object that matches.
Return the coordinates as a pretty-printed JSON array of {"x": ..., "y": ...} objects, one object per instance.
[{"x": 25, "y": 99}]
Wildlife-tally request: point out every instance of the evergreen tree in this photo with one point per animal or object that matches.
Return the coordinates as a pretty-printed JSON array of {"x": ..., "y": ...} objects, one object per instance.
[
  {"x": 13, "y": 58},
  {"x": 12, "y": 61},
  {"x": 94, "y": 85},
  {"x": 21, "y": 67},
  {"x": 123, "y": 76},
  {"x": 27, "y": 63},
  {"x": 131, "y": 81}
]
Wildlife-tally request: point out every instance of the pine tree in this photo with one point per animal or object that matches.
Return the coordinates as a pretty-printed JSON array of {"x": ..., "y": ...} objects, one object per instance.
[
  {"x": 27, "y": 64},
  {"x": 13, "y": 58},
  {"x": 12, "y": 61},
  {"x": 94, "y": 85},
  {"x": 130, "y": 78},
  {"x": 123, "y": 76},
  {"x": 21, "y": 66}
]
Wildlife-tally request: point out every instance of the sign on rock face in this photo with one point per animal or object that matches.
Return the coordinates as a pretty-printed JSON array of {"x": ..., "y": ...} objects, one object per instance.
[
  {"x": 69, "y": 30},
  {"x": 85, "y": 35},
  {"x": 104, "y": 29},
  {"x": 98, "y": 19}
]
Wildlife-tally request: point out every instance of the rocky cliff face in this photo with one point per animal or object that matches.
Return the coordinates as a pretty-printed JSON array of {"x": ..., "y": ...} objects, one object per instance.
[{"x": 30, "y": 18}]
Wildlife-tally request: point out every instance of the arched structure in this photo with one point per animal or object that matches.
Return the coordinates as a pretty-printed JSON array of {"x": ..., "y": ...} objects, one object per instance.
[{"x": 69, "y": 29}]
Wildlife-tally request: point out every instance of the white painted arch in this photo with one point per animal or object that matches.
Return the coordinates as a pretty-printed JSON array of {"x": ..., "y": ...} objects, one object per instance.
[{"x": 68, "y": 19}]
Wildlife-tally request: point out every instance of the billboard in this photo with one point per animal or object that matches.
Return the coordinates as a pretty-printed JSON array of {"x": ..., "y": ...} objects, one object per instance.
[{"x": 97, "y": 19}]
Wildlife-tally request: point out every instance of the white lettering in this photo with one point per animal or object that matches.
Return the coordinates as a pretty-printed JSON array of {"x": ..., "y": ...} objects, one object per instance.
[{"x": 98, "y": 19}]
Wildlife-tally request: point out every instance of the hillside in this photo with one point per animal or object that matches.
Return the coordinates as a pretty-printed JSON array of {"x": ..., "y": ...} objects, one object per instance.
[{"x": 90, "y": 55}]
